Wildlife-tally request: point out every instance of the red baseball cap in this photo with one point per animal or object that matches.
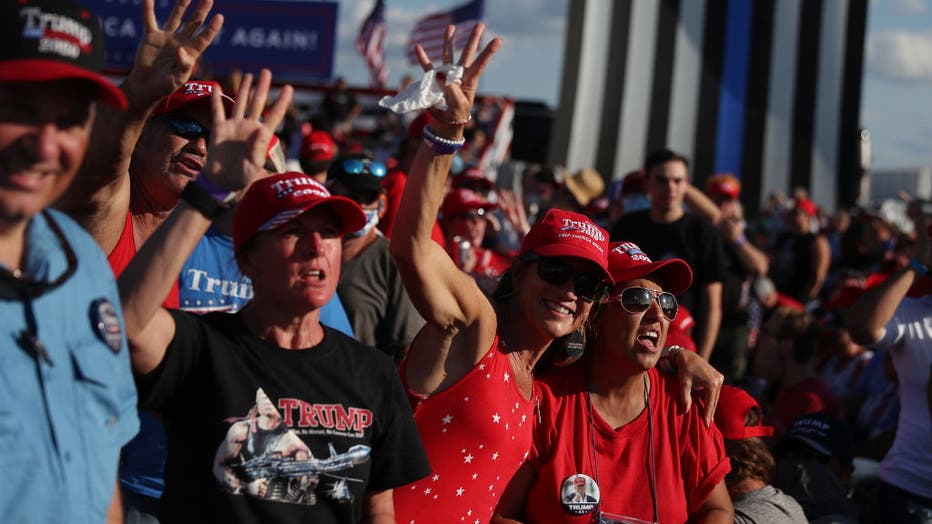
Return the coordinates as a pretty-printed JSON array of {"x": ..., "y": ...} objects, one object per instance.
[
  {"x": 47, "y": 40},
  {"x": 317, "y": 146},
  {"x": 579, "y": 481},
  {"x": 272, "y": 202},
  {"x": 731, "y": 414},
  {"x": 626, "y": 261},
  {"x": 806, "y": 206},
  {"x": 724, "y": 185},
  {"x": 192, "y": 92},
  {"x": 462, "y": 200},
  {"x": 566, "y": 234}
]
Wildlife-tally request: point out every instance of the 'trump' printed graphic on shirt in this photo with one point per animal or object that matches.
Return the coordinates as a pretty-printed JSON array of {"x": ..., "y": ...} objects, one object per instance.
[{"x": 263, "y": 458}]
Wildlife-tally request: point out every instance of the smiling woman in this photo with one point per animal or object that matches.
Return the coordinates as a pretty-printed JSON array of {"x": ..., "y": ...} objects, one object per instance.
[{"x": 609, "y": 424}]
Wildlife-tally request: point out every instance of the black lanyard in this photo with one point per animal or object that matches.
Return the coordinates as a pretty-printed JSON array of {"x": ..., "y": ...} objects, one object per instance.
[{"x": 16, "y": 286}]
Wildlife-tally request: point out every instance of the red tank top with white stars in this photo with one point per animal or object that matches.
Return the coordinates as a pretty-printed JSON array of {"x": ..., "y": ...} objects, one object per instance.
[{"x": 476, "y": 433}]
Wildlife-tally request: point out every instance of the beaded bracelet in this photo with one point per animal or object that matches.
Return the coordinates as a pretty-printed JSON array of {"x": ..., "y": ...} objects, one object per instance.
[{"x": 440, "y": 145}]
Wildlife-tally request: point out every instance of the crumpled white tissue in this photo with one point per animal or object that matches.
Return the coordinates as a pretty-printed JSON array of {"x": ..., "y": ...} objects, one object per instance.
[{"x": 424, "y": 94}]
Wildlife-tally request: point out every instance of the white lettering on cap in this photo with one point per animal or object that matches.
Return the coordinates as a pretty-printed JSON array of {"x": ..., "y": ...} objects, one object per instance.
[
  {"x": 56, "y": 33},
  {"x": 198, "y": 89},
  {"x": 632, "y": 250},
  {"x": 587, "y": 228},
  {"x": 288, "y": 187}
]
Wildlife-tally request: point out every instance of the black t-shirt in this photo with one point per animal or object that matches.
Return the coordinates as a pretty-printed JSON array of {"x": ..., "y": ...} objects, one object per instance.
[
  {"x": 692, "y": 238},
  {"x": 260, "y": 434}
]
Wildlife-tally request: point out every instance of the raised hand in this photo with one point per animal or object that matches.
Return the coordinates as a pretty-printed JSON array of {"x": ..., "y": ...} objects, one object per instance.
[
  {"x": 460, "y": 96},
  {"x": 238, "y": 142},
  {"x": 166, "y": 57}
]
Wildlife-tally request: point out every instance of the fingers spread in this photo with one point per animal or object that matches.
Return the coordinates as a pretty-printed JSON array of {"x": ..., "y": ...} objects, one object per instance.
[
  {"x": 422, "y": 58},
  {"x": 196, "y": 19},
  {"x": 277, "y": 112},
  {"x": 448, "y": 44},
  {"x": 261, "y": 94},
  {"x": 242, "y": 96},
  {"x": 148, "y": 16},
  {"x": 174, "y": 18},
  {"x": 209, "y": 33},
  {"x": 476, "y": 68},
  {"x": 472, "y": 44}
]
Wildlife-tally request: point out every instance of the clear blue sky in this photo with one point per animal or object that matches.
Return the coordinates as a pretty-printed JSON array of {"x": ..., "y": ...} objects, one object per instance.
[{"x": 896, "y": 104}]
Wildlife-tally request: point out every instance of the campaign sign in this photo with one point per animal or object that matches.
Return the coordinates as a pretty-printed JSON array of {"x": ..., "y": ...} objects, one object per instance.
[{"x": 295, "y": 40}]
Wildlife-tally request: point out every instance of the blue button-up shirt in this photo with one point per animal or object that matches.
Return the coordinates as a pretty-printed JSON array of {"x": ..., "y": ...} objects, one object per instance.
[{"x": 62, "y": 422}]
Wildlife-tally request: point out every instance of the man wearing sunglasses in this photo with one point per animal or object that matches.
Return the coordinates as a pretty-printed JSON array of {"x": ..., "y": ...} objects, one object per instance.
[
  {"x": 370, "y": 286},
  {"x": 68, "y": 400}
]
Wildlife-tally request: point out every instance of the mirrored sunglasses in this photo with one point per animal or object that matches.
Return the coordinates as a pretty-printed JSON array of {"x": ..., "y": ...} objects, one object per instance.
[
  {"x": 638, "y": 299},
  {"x": 186, "y": 128},
  {"x": 554, "y": 271},
  {"x": 358, "y": 166}
]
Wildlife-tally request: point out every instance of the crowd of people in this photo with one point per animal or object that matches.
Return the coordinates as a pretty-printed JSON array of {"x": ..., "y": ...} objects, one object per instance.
[{"x": 220, "y": 308}]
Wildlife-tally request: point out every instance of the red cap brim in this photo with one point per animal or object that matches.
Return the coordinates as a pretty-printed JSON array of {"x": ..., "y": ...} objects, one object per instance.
[{"x": 38, "y": 70}]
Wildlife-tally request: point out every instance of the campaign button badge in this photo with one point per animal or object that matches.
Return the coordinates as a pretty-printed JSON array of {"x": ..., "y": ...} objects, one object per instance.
[
  {"x": 106, "y": 323},
  {"x": 579, "y": 494}
]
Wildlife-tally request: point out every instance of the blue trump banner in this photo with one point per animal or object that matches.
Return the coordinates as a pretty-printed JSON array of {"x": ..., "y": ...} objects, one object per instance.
[{"x": 295, "y": 40}]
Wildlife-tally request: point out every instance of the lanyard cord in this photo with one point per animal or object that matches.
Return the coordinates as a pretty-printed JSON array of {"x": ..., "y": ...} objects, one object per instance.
[{"x": 652, "y": 464}]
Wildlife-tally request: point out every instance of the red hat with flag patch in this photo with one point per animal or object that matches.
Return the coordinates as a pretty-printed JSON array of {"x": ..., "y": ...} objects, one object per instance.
[
  {"x": 192, "y": 92},
  {"x": 626, "y": 261},
  {"x": 566, "y": 234},
  {"x": 272, "y": 202}
]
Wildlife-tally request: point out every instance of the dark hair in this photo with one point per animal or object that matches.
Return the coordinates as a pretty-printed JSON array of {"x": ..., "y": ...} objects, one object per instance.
[
  {"x": 662, "y": 156},
  {"x": 312, "y": 167},
  {"x": 799, "y": 327}
]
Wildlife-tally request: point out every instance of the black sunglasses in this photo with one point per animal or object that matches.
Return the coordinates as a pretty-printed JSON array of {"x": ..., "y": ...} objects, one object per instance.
[
  {"x": 638, "y": 299},
  {"x": 586, "y": 286},
  {"x": 358, "y": 166},
  {"x": 186, "y": 128}
]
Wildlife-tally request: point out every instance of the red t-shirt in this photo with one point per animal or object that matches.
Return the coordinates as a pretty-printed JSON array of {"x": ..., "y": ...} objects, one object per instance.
[
  {"x": 809, "y": 396},
  {"x": 476, "y": 434},
  {"x": 125, "y": 250},
  {"x": 690, "y": 457}
]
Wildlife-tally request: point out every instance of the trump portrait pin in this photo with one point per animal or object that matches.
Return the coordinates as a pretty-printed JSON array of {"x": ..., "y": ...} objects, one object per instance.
[{"x": 579, "y": 494}]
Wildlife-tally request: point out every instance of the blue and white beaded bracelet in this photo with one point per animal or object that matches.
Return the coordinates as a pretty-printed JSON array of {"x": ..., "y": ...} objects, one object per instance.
[{"x": 440, "y": 145}]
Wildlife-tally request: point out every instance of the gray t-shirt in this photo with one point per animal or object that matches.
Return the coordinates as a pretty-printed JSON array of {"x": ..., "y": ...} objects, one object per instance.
[
  {"x": 768, "y": 505},
  {"x": 376, "y": 301}
]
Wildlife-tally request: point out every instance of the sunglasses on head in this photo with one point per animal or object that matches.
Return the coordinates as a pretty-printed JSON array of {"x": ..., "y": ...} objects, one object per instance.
[
  {"x": 586, "y": 286},
  {"x": 638, "y": 299},
  {"x": 186, "y": 128},
  {"x": 358, "y": 166}
]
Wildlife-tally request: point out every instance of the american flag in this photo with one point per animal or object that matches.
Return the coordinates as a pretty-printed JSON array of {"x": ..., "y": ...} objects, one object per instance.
[
  {"x": 428, "y": 31},
  {"x": 369, "y": 44}
]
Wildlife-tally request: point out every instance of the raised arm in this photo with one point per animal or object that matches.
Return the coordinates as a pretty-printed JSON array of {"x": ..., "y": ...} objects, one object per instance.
[
  {"x": 460, "y": 320},
  {"x": 870, "y": 313},
  {"x": 236, "y": 158},
  {"x": 99, "y": 197}
]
